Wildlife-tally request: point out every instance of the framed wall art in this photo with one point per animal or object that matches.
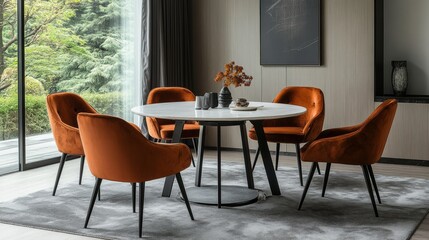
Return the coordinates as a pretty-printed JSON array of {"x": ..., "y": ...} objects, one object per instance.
[{"x": 290, "y": 32}]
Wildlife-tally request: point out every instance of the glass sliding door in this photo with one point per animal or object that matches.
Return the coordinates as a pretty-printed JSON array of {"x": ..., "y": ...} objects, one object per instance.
[
  {"x": 89, "y": 47},
  {"x": 9, "y": 156}
]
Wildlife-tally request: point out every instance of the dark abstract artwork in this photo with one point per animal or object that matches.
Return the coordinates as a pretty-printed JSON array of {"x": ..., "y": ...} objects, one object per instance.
[{"x": 290, "y": 32}]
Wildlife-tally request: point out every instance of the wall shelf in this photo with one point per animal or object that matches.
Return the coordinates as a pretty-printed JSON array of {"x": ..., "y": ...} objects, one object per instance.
[
  {"x": 404, "y": 99},
  {"x": 379, "y": 74}
]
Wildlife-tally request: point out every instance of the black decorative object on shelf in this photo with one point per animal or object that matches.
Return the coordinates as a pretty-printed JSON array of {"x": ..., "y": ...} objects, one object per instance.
[
  {"x": 225, "y": 97},
  {"x": 399, "y": 77}
]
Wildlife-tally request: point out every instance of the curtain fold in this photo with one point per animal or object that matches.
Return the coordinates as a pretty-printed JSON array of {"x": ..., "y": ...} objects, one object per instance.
[{"x": 166, "y": 50}]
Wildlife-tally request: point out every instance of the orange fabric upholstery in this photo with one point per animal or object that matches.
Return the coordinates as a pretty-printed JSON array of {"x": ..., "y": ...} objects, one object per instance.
[
  {"x": 117, "y": 151},
  {"x": 299, "y": 129},
  {"x": 362, "y": 144},
  {"x": 63, "y": 109},
  {"x": 163, "y": 128},
  {"x": 189, "y": 131}
]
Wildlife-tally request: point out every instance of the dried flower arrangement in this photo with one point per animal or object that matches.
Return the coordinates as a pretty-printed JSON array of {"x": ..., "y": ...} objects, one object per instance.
[{"x": 233, "y": 74}]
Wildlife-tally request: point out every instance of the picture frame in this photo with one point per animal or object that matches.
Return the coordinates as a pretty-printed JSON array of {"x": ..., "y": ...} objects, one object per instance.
[{"x": 290, "y": 32}]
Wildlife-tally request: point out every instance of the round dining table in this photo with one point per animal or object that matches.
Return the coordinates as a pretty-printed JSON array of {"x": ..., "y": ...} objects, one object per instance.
[{"x": 181, "y": 112}]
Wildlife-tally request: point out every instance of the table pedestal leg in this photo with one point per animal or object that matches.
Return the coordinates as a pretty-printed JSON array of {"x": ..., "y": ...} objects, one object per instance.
[
  {"x": 266, "y": 157},
  {"x": 219, "y": 172},
  {"x": 168, "y": 184},
  {"x": 201, "y": 142},
  {"x": 246, "y": 153}
]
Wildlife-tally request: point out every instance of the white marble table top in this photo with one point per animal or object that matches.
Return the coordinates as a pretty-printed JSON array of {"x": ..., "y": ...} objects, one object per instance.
[{"x": 186, "y": 111}]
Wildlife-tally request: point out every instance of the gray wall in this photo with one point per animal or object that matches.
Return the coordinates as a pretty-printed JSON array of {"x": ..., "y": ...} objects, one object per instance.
[
  {"x": 225, "y": 30},
  {"x": 406, "y": 37}
]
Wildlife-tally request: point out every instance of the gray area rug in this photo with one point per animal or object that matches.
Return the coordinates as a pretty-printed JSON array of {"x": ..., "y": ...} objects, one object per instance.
[{"x": 344, "y": 213}]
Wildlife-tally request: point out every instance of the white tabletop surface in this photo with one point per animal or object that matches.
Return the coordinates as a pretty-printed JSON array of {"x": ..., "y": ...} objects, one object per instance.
[{"x": 186, "y": 111}]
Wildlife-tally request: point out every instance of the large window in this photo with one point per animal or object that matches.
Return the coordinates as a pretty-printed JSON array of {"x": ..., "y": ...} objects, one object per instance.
[
  {"x": 89, "y": 47},
  {"x": 8, "y": 88}
]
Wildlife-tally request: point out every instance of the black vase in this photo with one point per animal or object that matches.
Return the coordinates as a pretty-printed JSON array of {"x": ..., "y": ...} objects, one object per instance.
[
  {"x": 214, "y": 101},
  {"x": 225, "y": 97},
  {"x": 399, "y": 77}
]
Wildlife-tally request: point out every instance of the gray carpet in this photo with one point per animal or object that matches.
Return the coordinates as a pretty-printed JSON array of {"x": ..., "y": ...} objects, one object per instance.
[{"x": 345, "y": 212}]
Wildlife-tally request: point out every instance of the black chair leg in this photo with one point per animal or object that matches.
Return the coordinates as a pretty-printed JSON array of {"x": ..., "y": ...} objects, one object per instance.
[
  {"x": 318, "y": 168},
  {"x": 298, "y": 160},
  {"x": 133, "y": 190},
  {"x": 60, "y": 169},
  {"x": 325, "y": 181},
  {"x": 256, "y": 158},
  {"x": 141, "y": 201},
  {"x": 99, "y": 192},
  {"x": 368, "y": 185},
  {"x": 92, "y": 202},
  {"x": 193, "y": 161},
  {"x": 277, "y": 155},
  {"x": 184, "y": 195},
  {"x": 82, "y": 163},
  {"x": 374, "y": 183},
  {"x": 307, "y": 185}
]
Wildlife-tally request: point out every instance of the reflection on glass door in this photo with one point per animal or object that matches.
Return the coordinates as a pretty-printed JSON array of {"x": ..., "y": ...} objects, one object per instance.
[
  {"x": 9, "y": 161},
  {"x": 89, "y": 47}
]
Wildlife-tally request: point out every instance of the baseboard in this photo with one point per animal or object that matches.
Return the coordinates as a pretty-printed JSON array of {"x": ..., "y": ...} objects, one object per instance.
[
  {"x": 399, "y": 161},
  {"x": 403, "y": 161}
]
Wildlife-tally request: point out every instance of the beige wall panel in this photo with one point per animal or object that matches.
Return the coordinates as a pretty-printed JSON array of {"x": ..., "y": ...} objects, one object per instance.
[
  {"x": 213, "y": 41},
  {"x": 408, "y": 137},
  {"x": 274, "y": 79}
]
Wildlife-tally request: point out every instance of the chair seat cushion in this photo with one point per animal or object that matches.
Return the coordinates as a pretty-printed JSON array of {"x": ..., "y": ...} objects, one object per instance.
[
  {"x": 189, "y": 131},
  {"x": 281, "y": 134}
]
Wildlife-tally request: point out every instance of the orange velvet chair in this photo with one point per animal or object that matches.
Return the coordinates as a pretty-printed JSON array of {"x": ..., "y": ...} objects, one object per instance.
[
  {"x": 295, "y": 130},
  {"x": 63, "y": 109},
  {"x": 121, "y": 153},
  {"x": 162, "y": 129},
  {"x": 362, "y": 145}
]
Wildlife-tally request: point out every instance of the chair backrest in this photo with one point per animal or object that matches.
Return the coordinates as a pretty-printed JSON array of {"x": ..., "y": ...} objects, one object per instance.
[
  {"x": 113, "y": 148},
  {"x": 375, "y": 130},
  {"x": 308, "y": 97},
  {"x": 163, "y": 95},
  {"x": 116, "y": 150},
  {"x": 170, "y": 94},
  {"x": 66, "y": 106},
  {"x": 63, "y": 109}
]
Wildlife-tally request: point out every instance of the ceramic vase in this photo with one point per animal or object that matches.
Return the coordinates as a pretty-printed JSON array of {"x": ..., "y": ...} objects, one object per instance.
[
  {"x": 399, "y": 77},
  {"x": 225, "y": 97}
]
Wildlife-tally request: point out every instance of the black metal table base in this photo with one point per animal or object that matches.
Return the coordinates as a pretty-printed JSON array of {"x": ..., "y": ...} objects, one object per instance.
[
  {"x": 231, "y": 195},
  {"x": 263, "y": 145}
]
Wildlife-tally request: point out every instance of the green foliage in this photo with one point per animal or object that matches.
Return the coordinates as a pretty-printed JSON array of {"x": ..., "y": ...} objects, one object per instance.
[
  {"x": 97, "y": 22},
  {"x": 37, "y": 121},
  {"x": 36, "y": 116},
  {"x": 32, "y": 87},
  {"x": 105, "y": 103},
  {"x": 8, "y": 117},
  {"x": 71, "y": 45}
]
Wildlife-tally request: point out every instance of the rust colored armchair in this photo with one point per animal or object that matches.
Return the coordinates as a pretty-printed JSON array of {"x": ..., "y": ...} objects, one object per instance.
[
  {"x": 121, "y": 153},
  {"x": 295, "y": 130},
  {"x": 362, "y": 145},
  {"x": 162, "y": 129},
  {"x": 63, "y": 109}
]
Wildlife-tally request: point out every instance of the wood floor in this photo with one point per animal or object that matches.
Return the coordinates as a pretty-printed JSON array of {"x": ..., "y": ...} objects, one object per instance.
[{"x": 22, "y": 183}]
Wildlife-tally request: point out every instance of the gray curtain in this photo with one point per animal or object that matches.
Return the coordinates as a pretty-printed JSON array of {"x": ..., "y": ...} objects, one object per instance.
[{"x": 166, "y": 45}]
